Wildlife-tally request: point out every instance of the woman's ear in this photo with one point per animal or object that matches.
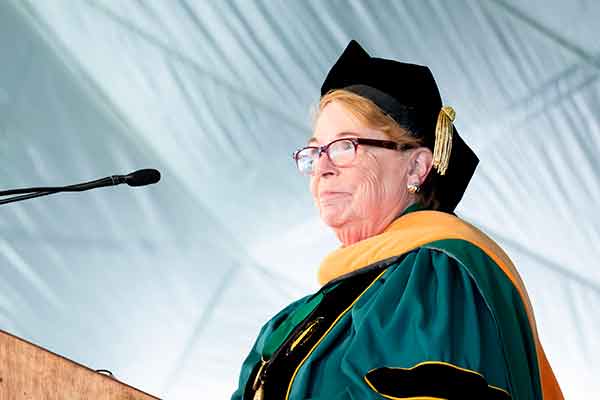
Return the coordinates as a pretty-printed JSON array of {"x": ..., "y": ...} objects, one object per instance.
[{"x": 420, "y": 163}]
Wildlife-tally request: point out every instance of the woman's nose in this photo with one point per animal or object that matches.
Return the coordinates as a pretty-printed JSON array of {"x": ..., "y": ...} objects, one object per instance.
[{"x": 324, "y": 166}]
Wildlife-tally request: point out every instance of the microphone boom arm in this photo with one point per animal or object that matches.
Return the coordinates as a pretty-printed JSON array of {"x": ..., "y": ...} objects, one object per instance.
[{"x": 137, "y": 178}]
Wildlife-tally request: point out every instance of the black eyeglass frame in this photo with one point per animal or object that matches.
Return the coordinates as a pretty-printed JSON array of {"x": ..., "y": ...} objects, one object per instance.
[{"x": 386, "y": 144}]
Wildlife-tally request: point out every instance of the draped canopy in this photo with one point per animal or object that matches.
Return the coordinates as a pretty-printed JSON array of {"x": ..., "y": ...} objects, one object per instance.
[{"x": 167, "y": 285}]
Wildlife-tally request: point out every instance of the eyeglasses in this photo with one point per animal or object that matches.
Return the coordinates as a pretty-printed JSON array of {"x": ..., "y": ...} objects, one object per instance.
[{"x": 341, "y": 152}]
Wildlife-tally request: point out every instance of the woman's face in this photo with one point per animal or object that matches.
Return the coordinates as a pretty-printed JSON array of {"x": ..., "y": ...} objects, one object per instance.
[{"x": 366, "y": 195}]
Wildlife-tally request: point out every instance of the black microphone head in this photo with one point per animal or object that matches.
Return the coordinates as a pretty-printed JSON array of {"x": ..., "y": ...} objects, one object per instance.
[{"x": 142, "y": 177}]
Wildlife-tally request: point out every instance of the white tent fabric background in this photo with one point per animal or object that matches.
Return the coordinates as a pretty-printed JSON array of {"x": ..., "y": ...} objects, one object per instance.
[{"x": 167, "y": 286}]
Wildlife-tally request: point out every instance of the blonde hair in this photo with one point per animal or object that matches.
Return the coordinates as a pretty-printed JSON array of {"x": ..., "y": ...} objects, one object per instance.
[{"x": 368, "y": 113}]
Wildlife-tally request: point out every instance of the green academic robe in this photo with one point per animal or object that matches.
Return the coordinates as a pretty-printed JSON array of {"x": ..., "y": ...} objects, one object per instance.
[{"x": 441, "y": 321}]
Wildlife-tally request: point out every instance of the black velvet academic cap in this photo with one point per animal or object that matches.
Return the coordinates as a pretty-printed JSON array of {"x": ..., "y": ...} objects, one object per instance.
[{"x": 408, "y": 93}]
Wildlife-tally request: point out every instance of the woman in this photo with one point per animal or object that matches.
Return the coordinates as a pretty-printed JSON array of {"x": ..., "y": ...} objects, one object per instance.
[{"x": 416, "y": 303}]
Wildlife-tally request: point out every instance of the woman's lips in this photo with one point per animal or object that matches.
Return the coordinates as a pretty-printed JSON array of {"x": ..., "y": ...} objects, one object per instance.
[{"x": 329, "y": 195}]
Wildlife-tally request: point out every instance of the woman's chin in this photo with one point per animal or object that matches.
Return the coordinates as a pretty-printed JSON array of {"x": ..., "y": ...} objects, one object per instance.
[{"x": 333, "y": 217}]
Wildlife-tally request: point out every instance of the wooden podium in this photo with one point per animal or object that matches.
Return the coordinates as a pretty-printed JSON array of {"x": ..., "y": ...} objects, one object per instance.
[{"x": 29, "y": 372}]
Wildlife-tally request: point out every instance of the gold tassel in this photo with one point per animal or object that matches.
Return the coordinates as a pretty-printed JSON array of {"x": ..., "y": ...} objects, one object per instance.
[{"x": 443, "y": 139}]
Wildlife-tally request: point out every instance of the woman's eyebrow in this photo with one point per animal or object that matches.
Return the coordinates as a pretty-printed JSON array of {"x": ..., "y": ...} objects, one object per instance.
[{"x": 337, "y": 135}]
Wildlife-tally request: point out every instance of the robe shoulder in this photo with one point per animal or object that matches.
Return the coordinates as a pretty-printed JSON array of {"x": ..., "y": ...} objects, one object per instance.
[
  {"x": 255, "y": 353},
  {"x": 440, "y": 312}
]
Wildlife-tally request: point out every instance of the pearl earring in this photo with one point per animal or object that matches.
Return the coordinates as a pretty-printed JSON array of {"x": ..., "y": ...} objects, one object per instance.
[{"x": 412, "y": 188}]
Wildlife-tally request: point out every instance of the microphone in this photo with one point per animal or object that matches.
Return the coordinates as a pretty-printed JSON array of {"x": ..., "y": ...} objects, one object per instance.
[{"x": 140, "y": 177}]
